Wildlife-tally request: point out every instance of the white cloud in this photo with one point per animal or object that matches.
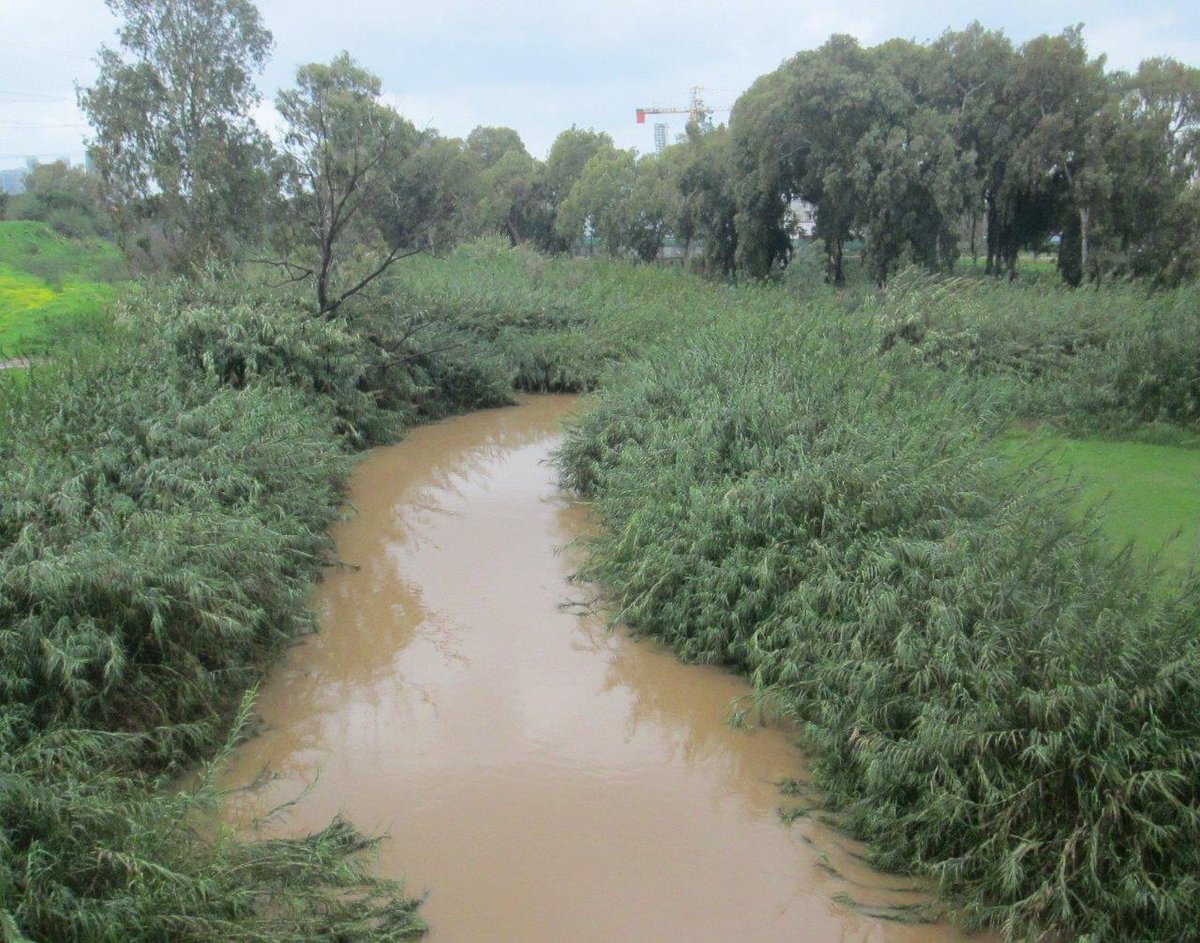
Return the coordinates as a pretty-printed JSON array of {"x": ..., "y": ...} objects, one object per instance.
[{"x": 541, "y": 67}]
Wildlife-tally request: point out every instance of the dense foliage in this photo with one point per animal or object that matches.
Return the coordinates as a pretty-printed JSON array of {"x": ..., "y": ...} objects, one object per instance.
[
  {"x": 917, "y": 150},
  {"x": 182, "y": 163},
  {"x": 1116, "y": 361},
  {"x": 914, "y": 146},
  {"x": 993, "y": 697},
  {"x": 802, "y": 484},
  {"x": 165, "y": 489},
  {"x": 799, "y": 482}
]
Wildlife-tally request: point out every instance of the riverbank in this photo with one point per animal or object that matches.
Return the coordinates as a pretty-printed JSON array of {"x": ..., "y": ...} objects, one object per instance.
[
  {"x": 995, "y": 698},
  {"x": 167, "y": 485},
  {"x": 533, "y": 767},
  {"x": 149, "y": 467}
]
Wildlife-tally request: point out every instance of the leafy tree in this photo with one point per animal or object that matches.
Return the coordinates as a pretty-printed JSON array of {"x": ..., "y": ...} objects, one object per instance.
[
  {"x": 181, "y": 160},
  {"x": 569, "y": 154},
  {"x": 599, "y": 201},
  {"x": 341, "y": 148},
  {"x": 1147, "y": 223},
  {"x": 66, "y": 198},
  {"x": 491, "y": 144},
  {"x": 707, "y": 206},
  {"x": 435, "y": 192},
  {"x": 967, "y": 84},
  {"x": 768, "y": 156},
  {"x": 624, "y": 202},
  {"x": 1058, "y": 95},
  {"x": 516, "y": 200},
  {"x": 654, "y": 207},
  {"x": 1167, "y": 93}
]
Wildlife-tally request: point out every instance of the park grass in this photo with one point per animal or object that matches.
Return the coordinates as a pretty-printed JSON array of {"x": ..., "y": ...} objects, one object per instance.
[
  {"x": 1145, "y": 495},
  {"x": 50, "y": 284}
]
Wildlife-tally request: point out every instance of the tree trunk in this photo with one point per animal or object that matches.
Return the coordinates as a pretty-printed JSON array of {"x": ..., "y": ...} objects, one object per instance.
[
  {"x": 993, "y": 256},
  {"x": 1085, "y": 219}
]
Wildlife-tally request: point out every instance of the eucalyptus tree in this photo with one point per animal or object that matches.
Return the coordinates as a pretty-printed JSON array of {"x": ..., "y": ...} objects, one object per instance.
[
  {"x": 707, "y": 208},
  {"x": 912, "y": 174},
  {"x": 1167, "y": 93},
  {"x": 515, "y": 199},
  {"x": 1147, "y": 227},
  {"x": 769, "y": 152},
  {"x": 435, "y": 195},
  {"x": 341, "y": 150},
  {"x": 627, "y": 203},
  {"x": 68, "y": 199},
  {"x": 489, "y": 144},
  {"x": 967, "y": 84},
  {"x": 599, "y": 201},
  {"x": 1058, "y": 96},
  {"x": 569, "y": 154},
  {"x": 183, "y": 165},
  {"x": 800, "y": 132}
]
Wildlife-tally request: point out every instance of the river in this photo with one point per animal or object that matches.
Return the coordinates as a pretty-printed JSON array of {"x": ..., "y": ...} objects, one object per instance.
[{"x": 543, "y": 779}]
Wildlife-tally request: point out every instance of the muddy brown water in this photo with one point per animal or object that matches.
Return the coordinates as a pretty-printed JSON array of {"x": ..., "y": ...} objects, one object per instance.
[{"x": 542, "y": 778}]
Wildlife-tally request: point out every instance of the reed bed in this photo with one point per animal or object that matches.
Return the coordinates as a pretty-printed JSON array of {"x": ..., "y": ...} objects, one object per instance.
[
  {"x": 165, "y": 489},
  {"x": 801, "y": 484},
  {"x": 993, "y": 696}
]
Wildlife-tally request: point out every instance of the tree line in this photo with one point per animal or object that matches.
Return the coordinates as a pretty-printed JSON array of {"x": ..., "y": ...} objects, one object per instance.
[
  {"x": 917, "y": 152},
  {"x": 919, "y": 149}
]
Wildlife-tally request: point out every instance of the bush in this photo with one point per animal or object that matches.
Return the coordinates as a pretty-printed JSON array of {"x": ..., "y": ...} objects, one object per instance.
[
  {"x": 165, "y": 489},
  {"x": 1109, "y": 361},
  {"x": 993, "y": 698}
]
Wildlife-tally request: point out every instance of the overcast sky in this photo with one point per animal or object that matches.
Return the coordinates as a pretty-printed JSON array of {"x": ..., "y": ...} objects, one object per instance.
[{"x": 540, "y": 67}]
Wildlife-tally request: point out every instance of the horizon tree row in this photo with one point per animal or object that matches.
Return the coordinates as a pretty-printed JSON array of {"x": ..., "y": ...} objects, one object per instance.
[
  {"x": 914, "y": 147},
  {"x": 918, "y": 150}
]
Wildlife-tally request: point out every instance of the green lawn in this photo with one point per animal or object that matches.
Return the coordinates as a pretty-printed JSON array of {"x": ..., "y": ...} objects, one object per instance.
[
  {"x": 49, "y": 282},
  {"x": 1147, "y": 494}
]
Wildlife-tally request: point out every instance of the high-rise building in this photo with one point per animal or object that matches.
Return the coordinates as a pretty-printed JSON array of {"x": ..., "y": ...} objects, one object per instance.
[{"x": 13, "y": 181}]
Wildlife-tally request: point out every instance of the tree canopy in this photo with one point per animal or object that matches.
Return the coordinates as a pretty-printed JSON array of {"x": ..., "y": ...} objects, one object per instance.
[
  {"x": 182, "y": 162},
  {"x": 340, "y": 150}
]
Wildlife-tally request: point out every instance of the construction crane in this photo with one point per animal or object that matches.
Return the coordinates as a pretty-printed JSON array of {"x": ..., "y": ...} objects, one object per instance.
[{"x": 696, "y": 111}]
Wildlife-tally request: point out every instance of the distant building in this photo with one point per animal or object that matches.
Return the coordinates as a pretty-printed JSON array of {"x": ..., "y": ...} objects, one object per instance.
[
  {"x": 802, "y": 219},
  {"x": 13, "y": 181}
]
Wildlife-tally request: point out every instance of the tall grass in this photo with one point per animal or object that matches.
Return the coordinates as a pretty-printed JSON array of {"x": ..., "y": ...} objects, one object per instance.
[
  {"x": 799, "y": 484},
  {"x": 165, "y": 489},
  {"x": 993, "y": 697},
  {"x": 1118, "y": 360}
]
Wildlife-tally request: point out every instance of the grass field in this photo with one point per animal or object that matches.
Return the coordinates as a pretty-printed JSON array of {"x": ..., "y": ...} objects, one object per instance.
[
  {"x": 1146, "y": 495},
  {"x": 49, "y": 283}
]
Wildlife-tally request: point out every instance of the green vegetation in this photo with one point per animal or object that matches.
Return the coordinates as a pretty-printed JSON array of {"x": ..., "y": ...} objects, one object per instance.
[
  {"x": 165, "y": 487},
  {"x": 50, "y": 283},
  {"x": 813, "y": 487},
  {"x": 1147, "y": 495},
  {"x": 65, "y": 198},
  {"x": 994, "y": 697},
  {"x": 797, "y": 482}
]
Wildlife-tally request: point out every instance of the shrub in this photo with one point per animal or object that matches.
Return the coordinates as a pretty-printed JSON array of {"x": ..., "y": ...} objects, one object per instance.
[{"x": 993, "y": 697}]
